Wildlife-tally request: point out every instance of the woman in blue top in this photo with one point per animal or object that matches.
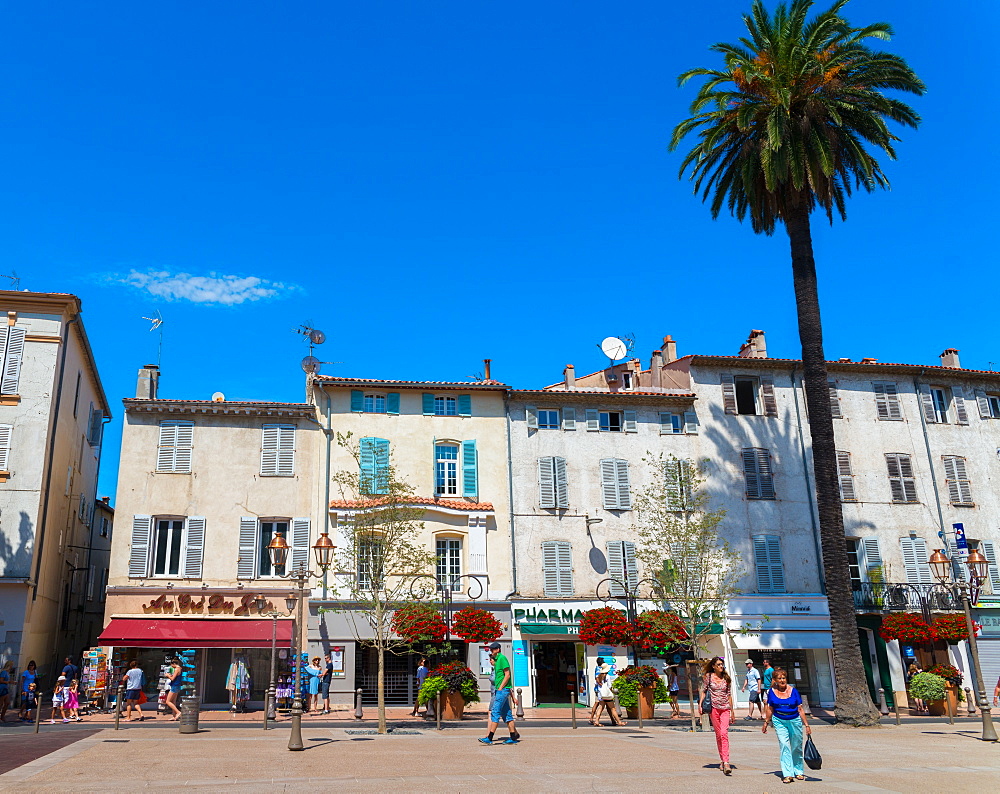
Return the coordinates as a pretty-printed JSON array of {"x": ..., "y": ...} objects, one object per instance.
[
  {"x": 784, "y": 709},
  {"x": 314, "y": 672}
]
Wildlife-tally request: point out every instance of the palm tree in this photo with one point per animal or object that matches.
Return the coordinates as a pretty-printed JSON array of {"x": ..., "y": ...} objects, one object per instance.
[{"x": 788, "y": 125}]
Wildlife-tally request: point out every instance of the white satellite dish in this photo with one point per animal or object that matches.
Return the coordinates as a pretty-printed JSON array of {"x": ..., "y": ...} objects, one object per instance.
[
  {"x": 311, "y": 364},
  {"x": 218, "y": 397},
  {"x": 614, "y": 348}
]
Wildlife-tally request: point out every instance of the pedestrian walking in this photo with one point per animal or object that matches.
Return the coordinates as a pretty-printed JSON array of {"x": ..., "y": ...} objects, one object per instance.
[
  {"x": 134, "y": 681},
  {"x": 765, "y": 679},
  {"x": 325, "y": 681},
  {"x": 58, "y": 701},
  {"x": 174, "y": 687},
  {"x": 28, "y": 677},
  {"x": 29, "y": 702},
  {"x": 500, "y": 710},
  {"x": 421, "y": 676},
  {"x": 718, "y": 685},
  {"x": 785, "y": 710},
  {"x": 312, "y": 685},
  {"x": 752, "y": 684},
  {"x": 70, "y": 670},
  {"x": 6, "y": 673},
  {"x": 674, "y": 685},
  {"x": 606, "y": 698},
  {"x": 597, "y": 706},
  {"x": 72, "y": 701}
]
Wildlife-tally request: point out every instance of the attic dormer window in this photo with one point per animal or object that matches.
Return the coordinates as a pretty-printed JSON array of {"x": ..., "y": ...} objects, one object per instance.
[{"x": 626, "y": 380}]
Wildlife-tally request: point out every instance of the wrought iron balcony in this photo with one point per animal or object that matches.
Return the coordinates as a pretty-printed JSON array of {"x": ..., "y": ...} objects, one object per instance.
[{"x": 903, "y": 597}]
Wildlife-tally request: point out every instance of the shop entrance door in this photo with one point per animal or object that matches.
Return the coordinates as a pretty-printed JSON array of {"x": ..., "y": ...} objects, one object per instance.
[
  {"x": 555, "y": 666},
  {"x": 217, "y": 661}
]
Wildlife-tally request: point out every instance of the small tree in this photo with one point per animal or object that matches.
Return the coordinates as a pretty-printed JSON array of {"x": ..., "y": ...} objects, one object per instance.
[
  {"x": 679, "y": 546},
  {"x": 382, "y": 553}
]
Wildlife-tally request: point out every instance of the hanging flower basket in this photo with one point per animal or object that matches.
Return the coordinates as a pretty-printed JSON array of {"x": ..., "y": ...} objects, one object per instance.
[
  {"x": 605, "y": 626},
  {"x": 906, "y": 627},
  {"x": 952, "y": 628},
  {"x": 476, "y": 625},
  {"x": 656, "y": 630},
  {"x": 419, "y": 623}
]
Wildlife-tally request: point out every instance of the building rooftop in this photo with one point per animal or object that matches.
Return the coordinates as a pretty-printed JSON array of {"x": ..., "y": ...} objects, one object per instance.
[{"x": 490, "y": 385}]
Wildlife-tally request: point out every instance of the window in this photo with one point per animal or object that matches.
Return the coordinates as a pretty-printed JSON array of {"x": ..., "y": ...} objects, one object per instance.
[
  {"x": 374, "y": 404},
  {"x": 902, "y": 483},
  {"x": 552, "y": 484},
  {"x": 758, "y": 473},
  {"x": 749, "y": 395},
  {"x": 626, "y": 381},
  {"x": 767, "y": 558},
  {"x": 266, "y": 531},
  {"x": 887, "y": 407},
  {"x": 374, "y": 465},
  {"x": 678, "y": 474},
  {"x": 915, "y": 561},
  {"x": 989, "y": 552},
  {"x": 362, "y": 403},
  {"x": 445, "y": 406},
  {"x": 174, "y": 452},
  {"x": 940, "y": 405},
  {"x": 95, "y": 430},
  {"x": 846, "y": 477},
  {"x": 277, "y": 451},
  {"x": 105, "y": 526},
  {"x": 611, "y": 421},
  {"x": 371, "y": 561},
  {"x": 937, "y": 402},
  {"x": 994, "y": 403},
  {"x": 6, "y": 431},
  {"x": 449, "y": 563},
  {"x": 989, "y": 405},
  {"x": 440, "y": 405},
  {"x": 255, "y": 535},
  {"x": 854, "y": 562},
  {"x": 557, "y": 569},
  {"x": 746, "y": 395},
  {"x": 548, "y": 419},
  {"x": 167, "y": 547},
  {"x": 615, "y": 484},
  {"x": 11, "y": 353},
  {"x": 835, "y": 401},
  {"x": 76, "y": 394},
  {"x": 622, "y": 566},
  {"x": 957, "y": 480},
  {"x": 671, "y": 424},
  {"x": 446, "y": 469}
]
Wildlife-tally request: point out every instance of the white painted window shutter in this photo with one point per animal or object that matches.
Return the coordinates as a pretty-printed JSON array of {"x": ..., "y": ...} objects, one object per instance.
[
  {"x": 690, "y": 422},
  {"x": 872, "y": 556},
  {"x": 767, "y": 392},
  {"x": 138, "y": 558},
  {"x": 12, "y": 360},
  {"x": 550, "y": 570},
  {"x": 770, "y": 570},
  {"x": 915, "y": 561},
  {"x": 174, "y": 451},
  {"x": 846, "y": 477},
  {"x": 616, "y": 567},
  {"x": 277, "y": 452},
  {"x": 546, "y": 483},
  {"x": 667, "y": 426},
  {"x": 593, "y": 420},
  {"x": 631, "y": 565},
  {"x": 961, "y": 412},
  {"x": 564, "y": 563},
  {"x": 569, "y": 418},
  {"x": 609, "y": 484},
  {"x": 956, "y": 475},
  {"x": 6, "y": 431},
  {"x": 729, "y": 394},
  {"x": 624, "y": 487},
  {"x": 562, "y": 484},
  {"x": 631, "y": 422},
  {"x": 835, "y": 401},
  {"x": 673, "y": 484},
  {"x": 531, "y": 415},
  {"x": 984, "y": 404},
  {"x": 989, "y": 552},
  {"x": 246, "y": 564},
  {"x": 194, "y": 549},
  {"x": 300, "y": 543},
  {"x": 927, "y": 404}
]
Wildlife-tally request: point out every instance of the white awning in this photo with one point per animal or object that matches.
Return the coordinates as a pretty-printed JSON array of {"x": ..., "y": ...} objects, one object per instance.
[{"x": 778, "y": 640}]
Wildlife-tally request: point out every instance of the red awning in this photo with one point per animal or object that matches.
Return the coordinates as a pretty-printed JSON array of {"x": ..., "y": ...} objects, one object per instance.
[{"x": 157, "y": 632}]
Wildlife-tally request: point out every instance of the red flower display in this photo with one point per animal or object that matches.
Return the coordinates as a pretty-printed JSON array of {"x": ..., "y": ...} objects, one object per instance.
[
  {"x": 906, "y": 627},
  {"x": 476, "y": 625},
  {"x": 949, "y": 673},
  {"x": 605, "y": 626},
  {"x": 657, "y": 630},
  {"x": 951, "y": 628},
  {"x": 419, "y": 623}
]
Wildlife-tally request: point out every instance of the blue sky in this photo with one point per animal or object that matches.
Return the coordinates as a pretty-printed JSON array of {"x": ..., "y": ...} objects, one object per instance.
[{"x": 433, "y": 184}]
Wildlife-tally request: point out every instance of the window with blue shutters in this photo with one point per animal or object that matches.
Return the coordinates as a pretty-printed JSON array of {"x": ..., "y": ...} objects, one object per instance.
[
  {"x": 470, "y": 469},
  {"x": 357, "y": 401},
  {"x": 446, "y": 469},
  {"x": 374, "y": 465},
  {"x": 767, "y": 557}
]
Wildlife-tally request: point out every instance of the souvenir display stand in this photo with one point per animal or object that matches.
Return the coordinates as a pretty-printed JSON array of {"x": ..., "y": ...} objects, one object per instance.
[{"x": 93, "y": 680}]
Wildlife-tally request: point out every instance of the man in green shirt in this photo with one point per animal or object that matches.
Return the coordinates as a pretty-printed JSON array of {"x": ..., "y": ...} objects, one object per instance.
[{"x": 500, "y": 704}]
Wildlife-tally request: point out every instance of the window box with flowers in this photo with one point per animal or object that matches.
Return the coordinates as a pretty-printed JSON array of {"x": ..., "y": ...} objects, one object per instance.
[
  {"x": 906, "y": 627},
  {"x": 455, "y": 683},
  {"x": 640, "y": 688},
  {"x": 605, "y": 626}
]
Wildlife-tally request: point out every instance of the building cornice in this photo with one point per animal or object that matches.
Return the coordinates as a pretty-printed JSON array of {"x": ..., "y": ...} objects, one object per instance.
[
  {"x": 134, "y": 405},
  {"x": 158, "y": 586},
  {"x": 870, "y": 368},
  {"x": 324, "y": 381},
  {"x": 643, "y": 396}
]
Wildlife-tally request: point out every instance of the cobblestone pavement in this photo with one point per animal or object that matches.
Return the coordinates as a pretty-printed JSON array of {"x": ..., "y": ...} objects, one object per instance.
[{"x": 928, "y": 758}]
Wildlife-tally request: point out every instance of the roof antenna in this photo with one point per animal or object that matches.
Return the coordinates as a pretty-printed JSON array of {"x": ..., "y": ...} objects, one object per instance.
[
  {"x": 157, "y": 324},
  {"x": 310, "y": 364},
  {"x": 15, "y": 280}
]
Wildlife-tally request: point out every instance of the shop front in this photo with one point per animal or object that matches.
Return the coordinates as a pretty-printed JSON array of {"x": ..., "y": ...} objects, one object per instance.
[
  {"x": 987, "y": 615},
  {"x": 224, "y": 642},
  {"x": 792, "y": 632}
]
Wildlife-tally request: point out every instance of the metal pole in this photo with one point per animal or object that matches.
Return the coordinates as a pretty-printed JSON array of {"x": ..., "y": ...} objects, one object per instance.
[
  {"x": 572, "y": 712},
  {"x": 968, "y": 702},
  {"x": 638, "y": 703},
  {"x": 295, "y": 740},
  {"x": 437, "y": 711},
  {"x": 895, "y": 707},
  {"x": 118, "y": 705},
  {"x": 359, "y": 713},
  {"x": 947, "y": 705},
  {"x": 38, "y": 710},
  {"x": 883, "y": 708},
  {"x": 325, "y": 568},
  {"x": 520, "y": 705},
  {"x": 989, "y": 732},
  {"x": 272, "y": 690}
]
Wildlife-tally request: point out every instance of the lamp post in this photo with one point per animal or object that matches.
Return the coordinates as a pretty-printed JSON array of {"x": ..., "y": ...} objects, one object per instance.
[
  {"x": 631, "y": 597},
  {"x": 969, "y": 593},
  {"x": 278, "y": 550},
  {"x": 324, "y": 548},
  {"x": 270, "y": 710}
]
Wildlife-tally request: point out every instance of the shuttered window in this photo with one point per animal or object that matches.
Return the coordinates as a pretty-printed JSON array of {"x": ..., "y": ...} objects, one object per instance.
[
  {"x": 374, "y": 465},
  {"x": 557, "y": 569},
  {"x": 957, "y": 481},
  {"x": 95, "y": 427},
  {"x": 871, "y": 559},
  {"x": 961, "y": 412},
  {"x": 671, "y": 424},
  {"x": 989, "y": 405},
  {"x": 887, "y": 407},
  {"x": 138, "y": 558},
  {"x": 835, "y": 401},
  {"x": 173, "y": 454},
  {"x": 446, "y": 469},
  {"x": 615, "y": 490},
  {"x": 990, "y": 553},
  {"x": 470, "y": 469},
  {"x": 915, "y": 561},
  {"x": 6, "y": 431},
  {"x": 677, "y": 482},
  {"x": 767, "y": 395},
  {"x": 758, "y": 473},
  {"x": 902, "y": 483},
  {"x": 11, "y": 353},
  {"x": 569, "y": 419},
  {"x": 170, "y": 547},
  {"x": 767, "y": 559},
  {"x": 552, "y": 484},
  {"x": 622, "y": 566},
  {"x": 846, "y": 477},
  {"x": 277, "y": 451},
  {"x": 933, "y": 404},
  {"x": 254, "y": 560}
]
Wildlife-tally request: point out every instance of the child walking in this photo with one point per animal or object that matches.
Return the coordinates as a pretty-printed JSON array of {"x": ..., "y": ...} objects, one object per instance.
[
  {"x": 73, "y": 701},
  {"x": 58, "y": 699},
  {"x": 29, "y": 700}
]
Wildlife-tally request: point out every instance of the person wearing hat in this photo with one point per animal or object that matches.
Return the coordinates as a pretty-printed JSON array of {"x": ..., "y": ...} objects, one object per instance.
[
  {"x": 752, "y": 683},
  {"x": 500, "y": 704},
  {"x": 597, "y": 688},
  {"x": 58, "y": 699}
]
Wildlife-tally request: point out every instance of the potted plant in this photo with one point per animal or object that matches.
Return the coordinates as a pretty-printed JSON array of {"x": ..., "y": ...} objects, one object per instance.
[
  {"x": 640, "y": 688},
  {"x": 951, "y": 628},
  {"x": 605, "y": 626},
  {"x": 929, "y": 688},
  {"x": 476, "y": 625},
  {"x": 953, "y": 678},
  {"x": 419, "y": 622},
  {"x": 457, "y": 686},
  {"x": 909, "y": 627}
]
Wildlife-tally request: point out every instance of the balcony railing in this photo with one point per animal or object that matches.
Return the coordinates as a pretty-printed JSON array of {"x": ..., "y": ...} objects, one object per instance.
[{"x": 901, "y": 597}]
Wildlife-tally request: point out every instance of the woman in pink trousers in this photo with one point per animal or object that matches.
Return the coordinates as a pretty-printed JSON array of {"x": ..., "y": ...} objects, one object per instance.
[{"x": 718, "y": 685}]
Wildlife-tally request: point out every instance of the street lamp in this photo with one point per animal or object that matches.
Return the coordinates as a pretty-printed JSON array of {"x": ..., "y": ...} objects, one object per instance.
[
  {"x": 969, "y": 593},
  {"x": 324, "y": 549},
  {"x": 277, "y": 550},
  {"x": 270, "y": 704}
]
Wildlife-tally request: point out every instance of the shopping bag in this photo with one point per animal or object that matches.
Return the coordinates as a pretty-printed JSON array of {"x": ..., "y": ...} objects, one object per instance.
[
  {"x": 811, "y": 755},
  {"x": 142, "y": 697}
]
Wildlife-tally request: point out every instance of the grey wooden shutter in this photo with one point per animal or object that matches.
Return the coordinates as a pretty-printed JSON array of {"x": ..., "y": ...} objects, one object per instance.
[
  {"x": 631, "y": 422},
  {"x": 915, "y": 561},
  {"x": 557, "y": 569},
  {"x": 767, "y": 559},
  {"x": 286, "y": 450},
  {"x": 624, "y": 486},
  {"x": 767, "y": 392},
  {"x": 165, "y": 446},
  {"x": 957, "y": 478},
  {"x": 300, "y": 543},
  {"x": 546, "y": 483},
  {"x": 835, "y": 400},
  {"x": 909, "y": 481},
  {"x": 631, "y": 567},
  {"x": 562, "y": 484},
  {"x": 564, "y": 566},
  {"x": 616, "y": 566},
  {"x": 759, "y": 474},
  {"x": 887, "y": 401},
  {"x": 94, "y": 426},
  {"x": 6, "y": 431},
  {"x": 183, "y": 442},
  {"x": 269, "y": 450},
  {"x": 194, "y": 548},
  {"x": 569, "y": 418},
  {"x": 672, "y": 485},
  {"x": 752, "y": 480},
  {"x": 667, "y": 426},
  {"x": 872, "y": 556},
  {"x": 531, "y": 417},
  {"x": 729, "y": 393},
  {"x": 12, "y": 361},
  {"x": 593, "y": 420},
  {"x": 609, "y": 484},
  {"x": 901, "y": 480},
  {"x": 989, "y": 552},
  {"x": 691, "y": 422},
  {"x": 138, "y": 559},
  {"x": 984, "y": 404},
  {"x": 846, "y": 477},
  {"x": 927, "y": 404},
  {"x": 961, "y": 412},
  {"x": 246, "y": 563}
]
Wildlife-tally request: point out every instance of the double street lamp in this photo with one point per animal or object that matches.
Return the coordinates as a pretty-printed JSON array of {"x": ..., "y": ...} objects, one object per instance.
[
  {"x": 968, "y": 592},
  {"x": 278, "y": 550}
]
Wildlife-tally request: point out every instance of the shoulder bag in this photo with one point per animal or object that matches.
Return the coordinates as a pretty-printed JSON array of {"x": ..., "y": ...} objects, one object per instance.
[
  {"x": 811, "y": 755},
  {"x": 706, "y": 701}
]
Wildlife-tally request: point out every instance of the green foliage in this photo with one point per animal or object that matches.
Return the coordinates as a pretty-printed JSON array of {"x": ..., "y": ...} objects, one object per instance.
[
  {"x": 627, "y": 689},
  {"x": 433, "y": 686},
  {"x": 927, "y": 686}
]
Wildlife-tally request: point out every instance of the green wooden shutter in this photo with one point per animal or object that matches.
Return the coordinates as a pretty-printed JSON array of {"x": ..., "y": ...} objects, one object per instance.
[
  {"x": 470, "y": 469},
  {"x": 392, "y": 402},
  {"x": 357, "y": 402},
  {"x": 428, "y": 404},
  {"x": 381, "y": 481},
  {"x": 465, "y": 405}
]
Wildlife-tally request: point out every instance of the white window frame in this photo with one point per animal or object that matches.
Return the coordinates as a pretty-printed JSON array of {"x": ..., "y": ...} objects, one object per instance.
[
  {"x": 754, "y": 382},
  {"x": 154, "y": 547},
  {"x": 448, "y": 465},
  {"x": 277, "y": 450},
  {"x": 548, "y": 423},
  {"x": 262, "y": 559},
  {"x": 605, "y": 424},
  {"x": 448, "y": 565},
  {"x": 364, "y": 561},
  {"x": 445, "y": 405},
  {"x": 373, "y": 400},
  {"x": 12, "y": 343},
  {"x": 941, "y": 402}
]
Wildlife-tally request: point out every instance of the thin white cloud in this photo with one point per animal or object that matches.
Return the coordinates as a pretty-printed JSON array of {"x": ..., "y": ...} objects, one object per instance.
[{"x": 215, "y": 288}]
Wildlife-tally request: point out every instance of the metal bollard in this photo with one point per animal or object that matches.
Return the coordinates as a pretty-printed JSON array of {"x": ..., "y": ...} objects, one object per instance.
[
  {"x": 38, "y": 710},
  {"x": 895, "y": 707},
  {"x": 190, "y": 708},
  {"x": 618, "y": 708},
  {"x": 969, "y": 705},
  {"x": 883, "y": 707},
  {"x": 118, "y": 704},
  {"x": 437, "y": 711},
  {"x": 267, "y": 705},
  {"x": 572, "y": 711},
  {"x": 805, "y": 706},
  {"x": 947, "y": 705},
  {"x": 520, "y": 705},
  {"x": 359, "y": 713}
]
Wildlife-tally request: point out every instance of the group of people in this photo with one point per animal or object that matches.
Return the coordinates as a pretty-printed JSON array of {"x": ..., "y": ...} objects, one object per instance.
[
  {"x": 66, "y": 695},
  {"x": 317, "y": 688},
  {"x": 782, "y": 709}
]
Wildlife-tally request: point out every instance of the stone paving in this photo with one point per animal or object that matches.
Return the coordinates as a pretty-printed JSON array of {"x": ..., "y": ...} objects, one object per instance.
[{"x": 925, "y": 758}]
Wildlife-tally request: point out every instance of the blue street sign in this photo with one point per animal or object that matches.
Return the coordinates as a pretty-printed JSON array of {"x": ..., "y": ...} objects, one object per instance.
[{"x": 960, "y": 540}]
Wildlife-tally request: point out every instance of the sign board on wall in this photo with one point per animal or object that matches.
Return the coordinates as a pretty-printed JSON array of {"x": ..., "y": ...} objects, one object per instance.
[{"x": 337, "y": 660}]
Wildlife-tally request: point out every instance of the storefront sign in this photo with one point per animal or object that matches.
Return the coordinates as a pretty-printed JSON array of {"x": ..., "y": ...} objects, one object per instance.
[
  {"x": 990, "y": 624},
  {"x": 548, "y": 628},
  {"x": 214, "y": 604},
  {"x": 538, "y": 614},
  {"x": 798, "y": 606}
]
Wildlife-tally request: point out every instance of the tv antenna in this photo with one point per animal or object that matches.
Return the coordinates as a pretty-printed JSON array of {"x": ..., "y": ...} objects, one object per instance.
[
  {"x": 15, "y": 280},
  {"x": 310, "y": 364},
  {"x": 157, "y": 325},
  {"x": 616, "y": 348}
]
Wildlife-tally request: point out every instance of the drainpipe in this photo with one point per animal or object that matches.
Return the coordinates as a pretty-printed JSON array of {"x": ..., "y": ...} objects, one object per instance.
[
  {"x": 51, "y": 455},
  {"x": 510, "y": 496},
  {"x": 809, "y": 491},
  {"x": 328, "y": 432},
  {"x": 927, "y": 447}
]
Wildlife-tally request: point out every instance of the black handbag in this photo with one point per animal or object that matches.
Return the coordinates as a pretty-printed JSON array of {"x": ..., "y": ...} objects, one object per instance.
[
  {"x": 706, "y": 701},
  {"x": 811, "y": 755}
]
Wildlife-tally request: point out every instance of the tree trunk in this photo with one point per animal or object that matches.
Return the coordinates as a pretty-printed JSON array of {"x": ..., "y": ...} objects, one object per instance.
[
  {"x": 854, "y": 705},
  {"x": 381, "y": 689}
]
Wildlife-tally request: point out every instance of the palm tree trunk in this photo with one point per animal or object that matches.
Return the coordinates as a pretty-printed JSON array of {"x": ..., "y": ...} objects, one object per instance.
[{"x": 854, "y": 705}]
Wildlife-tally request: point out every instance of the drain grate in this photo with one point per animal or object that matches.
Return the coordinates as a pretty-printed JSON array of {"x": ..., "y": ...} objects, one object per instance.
[
  {"x": 115, "y": 741},
  {"x": 639, "y": 736},
  {"x": 374, "y": 732}
]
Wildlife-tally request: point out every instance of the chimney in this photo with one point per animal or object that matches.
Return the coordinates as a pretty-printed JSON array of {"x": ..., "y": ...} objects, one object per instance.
[
  {"x": 655, "y": 369},
  {"x": 869, "y": 360},
  {"x": 754, "y": 347},
  {"x": 949, "y": 358},
  {"x": 569, "y": 376},
  {"x": 669, "y": 349},
  {"x": 148, "y": 384},
  {"x": 486, "y": 368},
  {"x": 106, "y": 500}
]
